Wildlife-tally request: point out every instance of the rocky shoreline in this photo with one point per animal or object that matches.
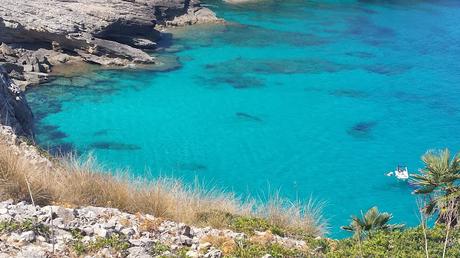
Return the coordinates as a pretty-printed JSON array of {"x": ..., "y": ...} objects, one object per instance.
[{"x": 37, "y": 35}]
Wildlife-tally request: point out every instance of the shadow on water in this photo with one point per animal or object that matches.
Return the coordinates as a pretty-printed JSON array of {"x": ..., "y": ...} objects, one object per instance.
[
  {"x": 237, "y": 82},
  {"x": 247, "y": 73},
  {"x": 277, "y": 66},
  {"x": 114, "y": 146},
  {"x": 57, "y": 135},
  {"x": 350, "y": 93},
  {"x": 363, "y": 29},
  {"x": 362, "y": 130},
  {"x": 436, "y": 102},
  {"x": 254, "y": 36},
  {"x": 192, "y": 166},
  {"x": 360, "y": 54},
  {"x": 388, "y": 69},
  {"x": 341, "y": 92},
  {"x": 248, "y": 117},
  {"x": 101, "y": 132}
]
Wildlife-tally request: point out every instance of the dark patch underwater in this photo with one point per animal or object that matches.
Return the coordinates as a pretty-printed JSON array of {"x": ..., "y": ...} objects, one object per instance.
[
  {"x": 362, "y": 129},
  {"x": 114, "y": 146},
  {"x": 248, "y": 117}
]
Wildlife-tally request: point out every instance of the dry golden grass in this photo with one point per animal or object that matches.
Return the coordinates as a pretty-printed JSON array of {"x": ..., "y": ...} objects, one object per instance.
[
  {"x": 71, "y": 182},
  {"x": 262, "y": 239},
  {"x": 224, "y": 243},
  {"x": 295, "y": 216}
]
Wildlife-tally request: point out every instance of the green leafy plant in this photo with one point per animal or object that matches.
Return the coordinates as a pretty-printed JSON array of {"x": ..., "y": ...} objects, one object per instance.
[
  {"x": 438, "y": 180},
  {"x": 246, "y": 249},
  {"x": 373, "y": 220},
  {"x": 249, "y": 225},
  {"x": 159, "y": 249},
  {"x": 404, "y": 243},
  {"x": 116, "y": 242},
  {"x": 26, "y": 225}
]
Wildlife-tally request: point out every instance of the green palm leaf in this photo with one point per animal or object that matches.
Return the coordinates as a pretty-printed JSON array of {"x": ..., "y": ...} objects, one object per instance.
[
  {"x": 373, "y": 220},
  {"x": 439, "y": 180}
]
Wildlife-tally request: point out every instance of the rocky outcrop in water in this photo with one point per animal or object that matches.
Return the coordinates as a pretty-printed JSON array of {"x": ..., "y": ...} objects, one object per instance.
[
  {"x": 41, "y": 33},
  {"x": 14, "y": 111}
]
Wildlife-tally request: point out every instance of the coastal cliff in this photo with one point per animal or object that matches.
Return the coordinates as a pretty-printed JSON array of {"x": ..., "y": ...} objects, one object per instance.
[
  {"x": 14, "y": 111},
  {"x": 37, "y": 35}
]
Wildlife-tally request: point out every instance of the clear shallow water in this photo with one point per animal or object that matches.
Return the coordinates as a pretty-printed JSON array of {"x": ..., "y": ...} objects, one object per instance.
[{"x": 314, "y": 98}]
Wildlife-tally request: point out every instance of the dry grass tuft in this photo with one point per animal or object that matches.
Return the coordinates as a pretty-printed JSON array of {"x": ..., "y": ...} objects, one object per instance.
[
  {"x": 15, "y": 173},
  {"x": 224, "y": 243},
  {"x": 75, "y": 183},
  {"x": 262, "y": 239},
  {"x": 295, "y": 216}
]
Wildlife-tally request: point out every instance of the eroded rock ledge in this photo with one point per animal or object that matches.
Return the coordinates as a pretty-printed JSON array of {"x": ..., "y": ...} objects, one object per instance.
[{"x": 40, "y": 34}]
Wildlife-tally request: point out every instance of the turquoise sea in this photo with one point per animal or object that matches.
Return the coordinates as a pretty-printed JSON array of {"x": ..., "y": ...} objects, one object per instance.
[{"x": 315, "y": 98}]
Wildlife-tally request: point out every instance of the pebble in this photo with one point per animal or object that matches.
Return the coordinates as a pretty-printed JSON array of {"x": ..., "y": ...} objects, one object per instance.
[{"x": 27, "y": 236}]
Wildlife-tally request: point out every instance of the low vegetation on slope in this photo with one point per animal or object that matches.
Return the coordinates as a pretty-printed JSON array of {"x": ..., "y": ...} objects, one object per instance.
[{"x": 70, "y": 182}]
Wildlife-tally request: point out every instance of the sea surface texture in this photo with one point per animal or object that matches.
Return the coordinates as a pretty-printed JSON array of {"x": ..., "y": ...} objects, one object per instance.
[{"x": 313, "y": 98}]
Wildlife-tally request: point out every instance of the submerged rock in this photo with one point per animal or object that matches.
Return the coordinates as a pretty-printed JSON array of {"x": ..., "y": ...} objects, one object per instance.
[
  {"x": 362, "y": 129},
  {"x": 192, "y": 166},
  {"x": 114, "y": 146},
  {"x": 248, "y": 117}
]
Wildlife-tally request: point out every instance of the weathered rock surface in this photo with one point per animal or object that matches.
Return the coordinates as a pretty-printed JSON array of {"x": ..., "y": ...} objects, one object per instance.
[
  {"x": 14, "y": 111},
  {"x": 106, "y": 32},
  {"x": 55, "y": 231}
]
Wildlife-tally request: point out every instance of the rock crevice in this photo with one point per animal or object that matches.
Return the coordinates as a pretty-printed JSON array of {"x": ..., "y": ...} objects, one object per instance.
[{"x": 14, "y": 110}]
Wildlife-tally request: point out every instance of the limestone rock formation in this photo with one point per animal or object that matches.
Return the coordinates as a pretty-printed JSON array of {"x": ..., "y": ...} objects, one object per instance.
[
  {"x": 106, "y": 32},
  {"x": 14, "y": 111}
]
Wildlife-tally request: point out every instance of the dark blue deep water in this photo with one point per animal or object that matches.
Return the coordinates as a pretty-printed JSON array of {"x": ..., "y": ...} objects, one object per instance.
[{"x": 316, "y": 98}]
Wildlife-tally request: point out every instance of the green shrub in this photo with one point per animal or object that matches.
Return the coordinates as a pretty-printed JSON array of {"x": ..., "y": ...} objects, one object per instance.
[
  {"x": 159, "y": 249},
  {"x": 26, "y": 225},
  {"x": 246, "y": 249},
  {"x": 116, "y": 242},
  {"x": 249, "y": 225},
  {"x": 407, "y": 243}
]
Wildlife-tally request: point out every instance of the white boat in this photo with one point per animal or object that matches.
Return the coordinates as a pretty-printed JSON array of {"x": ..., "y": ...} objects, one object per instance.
[{"x": 400, "y": 173}]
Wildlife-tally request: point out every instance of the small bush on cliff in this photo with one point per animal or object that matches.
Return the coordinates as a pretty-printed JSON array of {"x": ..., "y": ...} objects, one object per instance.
[
  {"x": 371, "y": 222},
  {"x": 246, "y": 249}
]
